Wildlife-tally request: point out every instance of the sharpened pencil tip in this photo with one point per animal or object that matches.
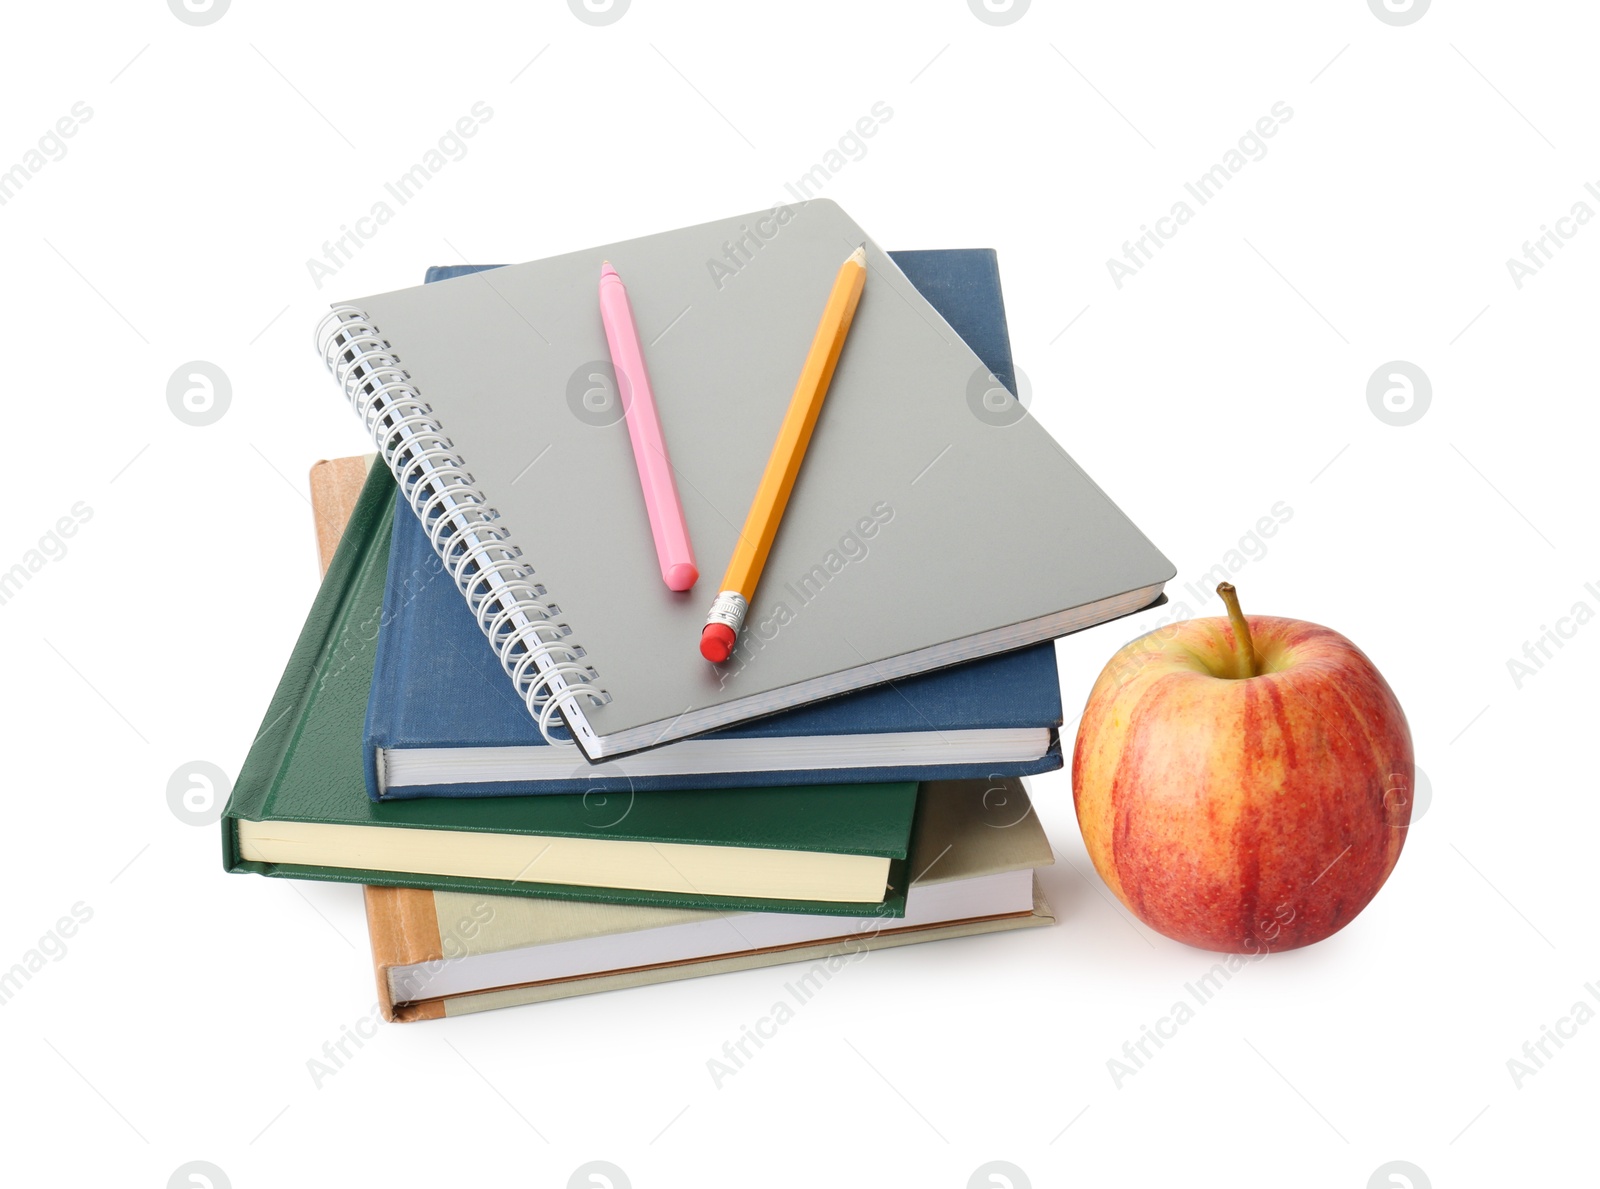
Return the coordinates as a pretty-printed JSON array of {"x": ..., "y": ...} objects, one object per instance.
[{"x": 859, "y": 256}]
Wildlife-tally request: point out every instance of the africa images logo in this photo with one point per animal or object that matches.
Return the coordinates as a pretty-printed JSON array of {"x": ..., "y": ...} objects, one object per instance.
[
  {"x": 999, "y": 12},
  {"x": 199, "y": 12},
  {"x": 1399, "y": 393},
  {"x": 1399, "y": 12},
  {"x": 599, "y": 12}
]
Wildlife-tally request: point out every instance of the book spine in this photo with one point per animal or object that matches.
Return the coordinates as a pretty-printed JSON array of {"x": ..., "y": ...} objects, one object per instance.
[
  {"x": 403, "y": 924},
  {"x": 545, "y": 665}
]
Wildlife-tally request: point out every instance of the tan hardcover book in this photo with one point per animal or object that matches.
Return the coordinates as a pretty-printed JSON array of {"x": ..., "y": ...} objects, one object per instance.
[
  {"x": 443, "y": 953},
  {"x": 976, "y": 850},
  {"x": 448, "y": 953},
  {"x": 335, "y": 487}
]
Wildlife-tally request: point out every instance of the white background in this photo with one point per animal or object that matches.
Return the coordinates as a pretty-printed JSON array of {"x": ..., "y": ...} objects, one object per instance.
[{"x": 1226, "y": 376}]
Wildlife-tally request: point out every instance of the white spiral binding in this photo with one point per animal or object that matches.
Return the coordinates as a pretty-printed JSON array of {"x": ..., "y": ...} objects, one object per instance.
[{"x": 460, "y": 524}]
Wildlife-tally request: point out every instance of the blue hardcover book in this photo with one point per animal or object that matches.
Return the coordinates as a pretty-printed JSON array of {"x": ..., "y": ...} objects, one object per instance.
[{"x": 444, "y": 721}]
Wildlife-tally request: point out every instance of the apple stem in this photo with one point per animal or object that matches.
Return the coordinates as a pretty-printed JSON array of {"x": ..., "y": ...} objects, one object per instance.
[{"x": 1244, "y": 647}]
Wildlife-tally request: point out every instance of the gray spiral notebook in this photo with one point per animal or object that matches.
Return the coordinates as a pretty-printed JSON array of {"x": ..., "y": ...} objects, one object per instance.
[{"x": 934, "y": 521}]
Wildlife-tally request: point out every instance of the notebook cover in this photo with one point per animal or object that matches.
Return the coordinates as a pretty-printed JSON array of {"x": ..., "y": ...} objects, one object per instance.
[
  {"x": 305, "y": 765},
  {"x": 983, "y": 522},
  {"x": 440, "y": 685}
]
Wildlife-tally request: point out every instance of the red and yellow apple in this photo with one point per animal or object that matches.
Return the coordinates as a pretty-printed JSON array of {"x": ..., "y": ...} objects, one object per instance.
[{"x": 1243, "y": 784}]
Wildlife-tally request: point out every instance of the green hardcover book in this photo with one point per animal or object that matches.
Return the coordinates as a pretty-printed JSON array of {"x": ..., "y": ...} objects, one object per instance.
[{"x": 299, "y": 808}]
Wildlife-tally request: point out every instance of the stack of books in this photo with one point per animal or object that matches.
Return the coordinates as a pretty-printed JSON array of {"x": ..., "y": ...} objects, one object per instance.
[{"x": 496, "y": 717}]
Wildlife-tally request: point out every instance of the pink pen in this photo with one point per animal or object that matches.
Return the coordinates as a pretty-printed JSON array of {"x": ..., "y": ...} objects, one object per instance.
[{"x": 667, "y": 526}]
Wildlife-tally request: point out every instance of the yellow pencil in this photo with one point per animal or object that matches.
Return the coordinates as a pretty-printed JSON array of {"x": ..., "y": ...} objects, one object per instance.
[{"x": 728, "y": 610}]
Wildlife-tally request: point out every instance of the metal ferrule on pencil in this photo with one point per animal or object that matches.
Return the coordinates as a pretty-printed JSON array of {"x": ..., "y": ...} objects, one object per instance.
[{"x": 729, "y": 607}]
